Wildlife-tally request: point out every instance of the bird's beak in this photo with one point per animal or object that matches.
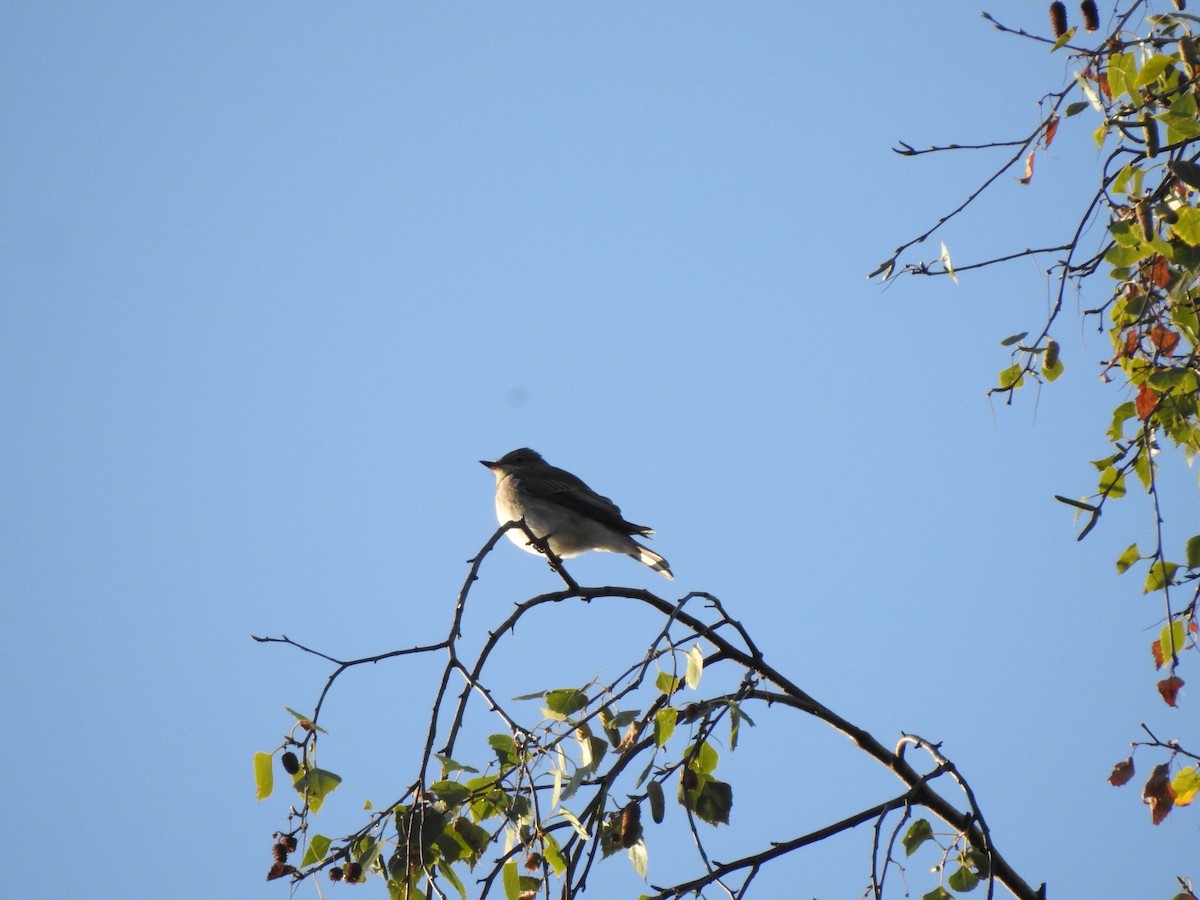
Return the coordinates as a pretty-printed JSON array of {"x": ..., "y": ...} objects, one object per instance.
[{"x": 490, "y": 465}]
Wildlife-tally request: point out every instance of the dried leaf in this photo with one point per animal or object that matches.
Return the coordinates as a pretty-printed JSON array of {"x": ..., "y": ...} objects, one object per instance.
[
  {"x": 1028, "y": 169},
  {"x": 1164, "y": 339},
  {"x": 1156, "y": 650},
  {"x": 1051, "y": 130},
  {"x": 1131, "y": 342},
  {"x": 1145, "y": 402},
  {"x": 1169, "y": 688},
  {"x": 1158, "y": 793},
  {"x": 279, "y": 870},
  {"x": 1121, "y": 772},
  {"x": 1160, "y": 272}
]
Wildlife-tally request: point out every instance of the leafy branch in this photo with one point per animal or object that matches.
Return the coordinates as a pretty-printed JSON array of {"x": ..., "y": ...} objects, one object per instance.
[
  {"x": 560, "y": 789},
  {"x": 1141, "y": 82}
]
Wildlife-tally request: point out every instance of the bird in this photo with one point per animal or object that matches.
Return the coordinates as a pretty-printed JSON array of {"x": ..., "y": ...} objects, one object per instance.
[{"x": 559, "y": 508}]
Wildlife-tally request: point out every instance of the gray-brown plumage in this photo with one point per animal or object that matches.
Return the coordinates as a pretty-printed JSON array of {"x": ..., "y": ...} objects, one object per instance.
[{"x": 558, "y": 507}]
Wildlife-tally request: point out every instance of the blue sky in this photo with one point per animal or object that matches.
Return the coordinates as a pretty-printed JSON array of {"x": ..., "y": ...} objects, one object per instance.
[{"x": 276, "y": 275}]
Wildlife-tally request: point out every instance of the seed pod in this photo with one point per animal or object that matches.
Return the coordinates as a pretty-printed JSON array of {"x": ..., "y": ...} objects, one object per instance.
[
  {"x": 1091, "y": 17},
  {"x": 1187, "y": 52},
  {"x": 1150, "y": 127},
  {"x": 335, "y": 874},
  {"x": 1050, "y": 357},
  {"x": 353, "y": 873},
  {"x": 291, "y": 765},
  {"x": 290, "y": 840},
  {"x": 1180, "y": 5},
  {"x": 654, "y": 793},
  {"x": 1145, "y": 220},
  {"x": 631, "y": 825},
  {"x": 280, "y": 852},
  {"x": 1058, "y": 18}
]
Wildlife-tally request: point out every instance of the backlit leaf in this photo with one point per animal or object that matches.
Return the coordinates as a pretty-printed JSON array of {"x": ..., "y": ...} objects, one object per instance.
[
  {"x": 264, "y": 774},
  {"x": 1186, "y": 785},
  {"x": 695, "y": 667},
  {"x": 318, "y": 846},
  {"x": 1128, "y": 558}
]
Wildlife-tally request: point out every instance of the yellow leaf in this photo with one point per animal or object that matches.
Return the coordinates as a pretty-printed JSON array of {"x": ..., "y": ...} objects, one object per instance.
[{"x": 1186, "y": 785}]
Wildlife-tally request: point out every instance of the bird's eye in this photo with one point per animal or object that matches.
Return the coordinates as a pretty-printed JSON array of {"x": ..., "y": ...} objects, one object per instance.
[{"x": 520, "y": 458}]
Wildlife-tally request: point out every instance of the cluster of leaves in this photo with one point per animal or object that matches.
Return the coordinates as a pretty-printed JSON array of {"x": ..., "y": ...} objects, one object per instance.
[
  {"x": 579, "y": 774},
  {"x": 1142, "y": 82}
]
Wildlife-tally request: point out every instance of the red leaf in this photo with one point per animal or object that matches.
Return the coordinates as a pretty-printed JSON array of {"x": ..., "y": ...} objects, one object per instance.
[
  {"x": 1156, "y": 650},
  {"x": 1028, "y": 169},
  {"x": 1145, "y": 402},
  {"x": 1159, "y": 793},
  {"x": 1163, "y": 339},
  {"x": 1131, "y": 342},
  {"x": 1102, "y": 81},
  {"x": 1160, "y": 272},
  {"x": 1169, "y": 688},
  {"x": 1121, "y": 772},
  {"x": 1051, "y": 130}
]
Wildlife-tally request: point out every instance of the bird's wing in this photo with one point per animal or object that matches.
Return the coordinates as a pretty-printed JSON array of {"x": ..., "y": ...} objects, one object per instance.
[{"x": 567, "y": 490}]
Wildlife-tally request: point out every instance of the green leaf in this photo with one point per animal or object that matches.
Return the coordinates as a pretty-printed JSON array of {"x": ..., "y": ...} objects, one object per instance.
[
  {"x": 1013, "y": 376},
  {"x": 449, "y": 766},
  {"x": 566, "y": 701},
  {"x": 1126, "y": 256},
  {"x": 511, "y": 879},
  {"x": 1074, "y": 109},
  {"x": 1052, "y": 371},
  {"x": 658, "y": 806},
  {"x": 1161, "y": 574},
  {"x": 710, "y": 799},
  {"x": 1121, "y": 415},
  {"x": 668, "y": 683},
  {"x": 505, "y": 747},
  {"x": 1128, "y": 558},
  {"x": 451, "y": 876},
  {"x": 1121, "y": 70},
  {"x": 1187, "y": 226},
  {"x": 664, "y": 725},
  {"x": 1153, "y": 69},
  {"x": 1172, "y": 639},
  {"x": 695, "y": 666},
  {"x": 1193, "y": 552},
  {"x": 318, "y": 846},
  {"x": 264, "y": 774},
  {"x": 450, "y": 792},
  {"x": 315, "y": 785},
  {"x": 574, "y": 822},
  {"x": 1013, "y": 339},
  {"x": 963, "y": 880},
  {"x": 1143, "y": 468},
  {"x": 938, "y": 893},
  {"x": 1112, "y": 482},
  {"x": 704, "y": 758},
  {"x": 918, "y": 833},
  {"x": 1181, "y": 125},
  {"x": 553, "y": 853}
]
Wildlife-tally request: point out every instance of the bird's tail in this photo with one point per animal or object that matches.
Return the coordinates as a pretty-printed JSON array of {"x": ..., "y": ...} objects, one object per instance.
[{"x": 648, "y": 557}]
